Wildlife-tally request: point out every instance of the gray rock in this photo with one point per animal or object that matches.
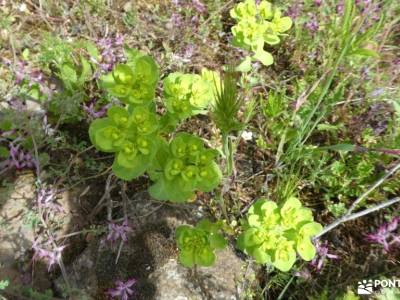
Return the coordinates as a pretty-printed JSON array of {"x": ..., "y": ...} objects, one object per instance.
[{"x": 150, "y": 256}]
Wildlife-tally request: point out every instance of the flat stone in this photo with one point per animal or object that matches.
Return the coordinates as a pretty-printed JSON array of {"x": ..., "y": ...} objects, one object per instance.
[{"x": 150, "y": 256}]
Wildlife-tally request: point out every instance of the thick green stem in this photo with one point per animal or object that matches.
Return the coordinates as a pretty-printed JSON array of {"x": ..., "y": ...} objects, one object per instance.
[{"x": 228, "y": 152}]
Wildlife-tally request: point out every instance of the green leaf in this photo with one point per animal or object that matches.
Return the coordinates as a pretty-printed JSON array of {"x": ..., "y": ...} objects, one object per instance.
[
  {"x": 285, "y": 256},
  {"x": 209, "y": 177},
  {"x": 261, "y": 256},
  {"x": 265, "y": 10},
  {"x": 131, "y": 53},
  {"x": 123, "y": 74},
  {"x": 245, "y": 66},
  {"x": 118, "y": 115},
  {"x": 4, "y": 153},
  {"x": 86, "y": 72},
  {"x": 170, "y": 190},
  {"x": 92, "y": 50},
  {"x": 187, "y": 257},
  {"x": 264, "y": 57},
  {"x": 306, "y": 249},
  {"x": 365, "y": 52},
  {"x": 204, "y": 257},
  {"x": 340, "y": 147},
  {"x": 249, "y": 239},
  {"x": 101, "y": 142},
  {"x": 291, "y": 204},
  {"x": 271, "y": 39},
  {"x": 208, "y": 226},
  {"x": 138, "y": 167},
  {"x": 310, "y": 229},
  {"x": 283, "y": 24},
  {"x": 7, "y": 125},
  {"x": 217, "y": 241},
  {"x": 68, "y": 76}
]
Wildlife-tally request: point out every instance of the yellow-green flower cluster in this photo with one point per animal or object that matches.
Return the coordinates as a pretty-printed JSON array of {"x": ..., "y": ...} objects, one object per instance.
[
  {"x": 257, "y": 24},
  {"x": 272, "y": 235}
]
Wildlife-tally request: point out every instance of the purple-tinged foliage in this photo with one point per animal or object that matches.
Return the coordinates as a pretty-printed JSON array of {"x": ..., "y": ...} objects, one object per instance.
[
  {"x": 122, "y": 290},
  {"x": 322, "y": 255},
  {"x": 386, "y": 235},
  {"x": 118, "y": 232}
]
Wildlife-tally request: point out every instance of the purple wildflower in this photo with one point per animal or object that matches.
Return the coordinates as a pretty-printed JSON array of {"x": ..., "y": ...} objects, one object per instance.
[
  {"x": 188, "y": 54},
  {"x": 176, "y": 20},
  {"x": 303, "y": 273},
  {"x": 111, "y": 52},
  {"x": 385, "y": 235},
  {"x": 92, "y": 113},
  {"x": 123, "y": 290},
  {"x": 25, "y": 74},
  {"x": 340, "y": 8},
  {"x": 294, "y": 10},
  {"x": 46, "y": 198},
  {"x": 51, "y": 257},
  {"x": 48, "y": 130},
  {"x": 317, "y": 2},
  {"x": 199, "y": 6},
  {"x": 117, "y": 232},
  {"x": 312, "y": 24},
  {"x": 19, "y": 159},
  {"x": 364, "y": 3},
  {"x": 322, "y": 255}
]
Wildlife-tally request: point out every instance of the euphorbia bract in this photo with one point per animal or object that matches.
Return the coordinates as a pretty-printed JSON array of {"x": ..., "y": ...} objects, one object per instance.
[
  {"x": 257, "y": 24},
  {"x": 273, "y": 234},
  {"x": 134, "y": 82},
  {"x": 131, "y": 135},
  {"x": 189, "y": 94},
  {"x": 183, "y": 167},
  {"x": 197, "y": 244}
]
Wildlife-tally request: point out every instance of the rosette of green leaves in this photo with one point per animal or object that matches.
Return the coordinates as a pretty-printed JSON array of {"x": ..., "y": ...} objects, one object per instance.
[
  {"x": 134, "y": 82},
  {"x": 188, "y": 94},
  {"x": 257, "y": 24},
  {"x": 183, "y": 167},
  {"x": 197, "y": 244},
  {"x": 131, "y": 135},
  {"x": 273, "y": 235}
]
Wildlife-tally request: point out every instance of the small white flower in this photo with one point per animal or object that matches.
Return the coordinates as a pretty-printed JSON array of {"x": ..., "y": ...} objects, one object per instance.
[
  {"x": 22, "y": 7},
  {"x": 247, "y": 135}
]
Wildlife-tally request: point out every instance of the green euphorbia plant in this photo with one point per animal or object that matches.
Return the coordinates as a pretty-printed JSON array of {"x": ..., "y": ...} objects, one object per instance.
[
  {"x": 183, "y": 167},
  {"x": 197, "y": 244},
  {"x": 257, "y": 25},
  {"x": 132, "y": 135},
  {"x": 273, "y": 235},
  {"x": 137, "y": 135}
]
